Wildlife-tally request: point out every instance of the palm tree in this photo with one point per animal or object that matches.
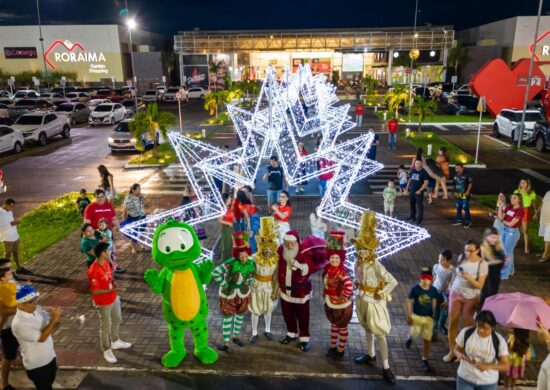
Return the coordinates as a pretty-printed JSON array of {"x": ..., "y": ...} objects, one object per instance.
[
  {"x": 368, "y": 84},
  {"x": 213, "y": 68},
  {"x": 149, "y": 122},
  {"x": 458, "y": 56},
  {"x": 213, "y": 100},
  {"x": 423, "y": 109},
  {"x": 395, "y": 97}
]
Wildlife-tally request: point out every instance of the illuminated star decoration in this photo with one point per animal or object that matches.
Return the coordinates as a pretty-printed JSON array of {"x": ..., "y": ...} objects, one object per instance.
[{"x": 297, "y": 106}]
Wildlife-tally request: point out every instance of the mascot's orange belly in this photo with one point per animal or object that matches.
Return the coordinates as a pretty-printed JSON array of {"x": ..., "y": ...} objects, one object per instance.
[{"x": 184, "y": 294}]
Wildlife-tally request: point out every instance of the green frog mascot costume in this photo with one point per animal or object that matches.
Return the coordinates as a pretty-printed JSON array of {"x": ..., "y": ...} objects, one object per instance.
[{"x": 176, "y": 247}]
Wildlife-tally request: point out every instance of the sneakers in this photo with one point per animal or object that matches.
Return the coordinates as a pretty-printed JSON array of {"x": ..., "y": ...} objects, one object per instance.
[
  {"x": 238, "y": 341},
  {"x": 408, "y": 343},
  {"x": 253, "y": 338},
  {"x": 467, "y": 225},
  {"x": 449, "y": 357},
  {"x": 109, "y": 356},
  {"x": 457, "y": 223},
  {"x": 330, "y": 351},
  {"x": 442, "y": 330},
  {"x": 388, "y": 375},
  {"x": 269, "y": 336},
  {"x": 119, "y": 344},
  {"x": 426, "y": 365},
  {"x": 365, "y": 359}
]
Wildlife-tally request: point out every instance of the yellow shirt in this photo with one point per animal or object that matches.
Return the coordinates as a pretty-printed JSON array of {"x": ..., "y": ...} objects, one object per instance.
[
  {"x": 7, "y": 294},
  {"x": 526, "y": 198}
]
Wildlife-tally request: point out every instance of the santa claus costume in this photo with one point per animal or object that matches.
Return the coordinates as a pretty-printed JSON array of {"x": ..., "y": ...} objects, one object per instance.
[
  {"x": 337, "y": 291},
  {"x": 297, "y": 263},
  {"x": 235, "y": 278},
  {"x": 263, "y": 298},
  {"x": 374, "y": 287}
]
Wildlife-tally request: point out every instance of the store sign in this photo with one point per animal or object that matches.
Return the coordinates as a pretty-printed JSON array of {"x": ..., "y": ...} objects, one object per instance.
[
  {"x": 195, "y": 76},
  {"x": 60, "y": 52},
  {"x": 20, "y": 52},
  {"x": 545, "y": 49}
]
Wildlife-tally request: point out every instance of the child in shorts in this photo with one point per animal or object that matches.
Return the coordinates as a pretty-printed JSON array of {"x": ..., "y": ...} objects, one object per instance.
[
  {"x": 402, "y": 176},
  {"x": 389, "y": 195},
  {"x": 420, "y": 310}
]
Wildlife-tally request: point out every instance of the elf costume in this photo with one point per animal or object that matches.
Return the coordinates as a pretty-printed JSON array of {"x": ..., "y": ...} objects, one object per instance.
[
  {"x": 337, "y": 290},
  {"x": 235, "y": 279}
]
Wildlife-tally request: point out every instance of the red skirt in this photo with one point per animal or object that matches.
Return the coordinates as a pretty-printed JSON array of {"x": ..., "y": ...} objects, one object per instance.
[
  {"x": 526, "y": 215},
  {"x": 339, "y": 317}
]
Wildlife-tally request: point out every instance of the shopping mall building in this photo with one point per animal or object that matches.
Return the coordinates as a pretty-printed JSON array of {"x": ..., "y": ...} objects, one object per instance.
[
  {"x": 348, "y": 53},
  {"x": 97, "y": 53}
]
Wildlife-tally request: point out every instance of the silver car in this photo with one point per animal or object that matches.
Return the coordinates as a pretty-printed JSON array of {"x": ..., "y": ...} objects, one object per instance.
[
  {"x": 75, "y": 112},
  {"x": 121, "y": 139}
]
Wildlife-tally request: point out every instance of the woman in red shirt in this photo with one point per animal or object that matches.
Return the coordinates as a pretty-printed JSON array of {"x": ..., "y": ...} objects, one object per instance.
[
  {"x": 326, "y": 176},
  {"x": 250, "y": 215},
  {"x": 282, "y": 212},
  {"x": 303, "y": 152},
  {"x": 511, "y": 218}
]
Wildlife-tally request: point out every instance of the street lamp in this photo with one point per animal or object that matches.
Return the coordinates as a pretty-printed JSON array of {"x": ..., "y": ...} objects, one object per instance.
[
  {"x": 132, "y": 24},
  {"x": 412, "y": 58},
  {"x": 42, "y": 42}
]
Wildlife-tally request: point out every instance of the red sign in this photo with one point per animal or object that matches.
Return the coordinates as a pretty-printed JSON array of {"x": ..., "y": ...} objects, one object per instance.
[{"x": 504, "y": 87}]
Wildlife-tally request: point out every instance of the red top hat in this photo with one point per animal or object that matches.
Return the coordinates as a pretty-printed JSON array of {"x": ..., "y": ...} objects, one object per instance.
[
  {"x": 335, "y": 244},
  {"x": 240, "y": 244}
]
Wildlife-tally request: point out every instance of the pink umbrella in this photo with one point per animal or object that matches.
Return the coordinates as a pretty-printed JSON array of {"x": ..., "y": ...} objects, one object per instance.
[{"x": 518, "y": 310}]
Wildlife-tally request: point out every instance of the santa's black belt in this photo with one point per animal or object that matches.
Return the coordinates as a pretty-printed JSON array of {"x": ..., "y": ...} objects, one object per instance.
[{"x": 294, "y": 287}]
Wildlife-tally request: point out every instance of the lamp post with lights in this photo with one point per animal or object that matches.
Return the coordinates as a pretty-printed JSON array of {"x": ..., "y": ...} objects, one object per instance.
[
  {"x": 41, "y": 39},
  {"x": 132, "y": 24}
]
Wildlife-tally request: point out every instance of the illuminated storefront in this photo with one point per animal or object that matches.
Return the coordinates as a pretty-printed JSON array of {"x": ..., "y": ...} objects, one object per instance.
[
  {"x": 96, "y": 53},
  {"x": 349, "y": 54}
]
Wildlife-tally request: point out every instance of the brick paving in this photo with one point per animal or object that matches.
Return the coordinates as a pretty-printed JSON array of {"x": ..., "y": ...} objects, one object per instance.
[{"x": 59, "y": 274}]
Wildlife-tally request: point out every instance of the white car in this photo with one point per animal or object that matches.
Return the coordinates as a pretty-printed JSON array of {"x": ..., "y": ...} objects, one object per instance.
[
  {"x": 92, "y": 104},
  {"x": 52, "y": 97},
  {"x": 82, "y": 97},
  {"x": 170, "y": 94},
  {"x": 150, "y": 96},
  {"x": 107, "y": 114},
  {"x": 39, "y": 126},
  {"x": 197, "y": 92},
  {"x": 25, "y": 94},
  {"x": 11, "y": 140},
  {"x": 161, "y": 89},
  {"x": 508, "y": 120}
]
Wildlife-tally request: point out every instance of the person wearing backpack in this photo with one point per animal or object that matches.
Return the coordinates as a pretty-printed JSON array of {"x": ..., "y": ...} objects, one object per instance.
[
  {"x": 482, "y": 353},
  {"x": 465, "y": 291}
]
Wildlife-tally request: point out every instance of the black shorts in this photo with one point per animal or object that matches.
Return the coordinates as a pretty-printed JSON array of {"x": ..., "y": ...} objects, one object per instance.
[{"x": 9, "y": 344}]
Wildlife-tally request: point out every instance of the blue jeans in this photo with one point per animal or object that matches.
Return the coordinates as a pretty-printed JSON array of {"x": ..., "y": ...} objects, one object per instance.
[
  {"x": 255, "y": 226},
  {"x": 392, "y": 140},
  {"x": 462, "y": 384},
  {"x": 463, "y": 204},
  {"x": 273, "y": 196},
  {"x": 358, "y": 120},
  {"x": 240, "y": 225},
  {"x": 322, "y": 187},
  {"x": 509, "y": 237}
]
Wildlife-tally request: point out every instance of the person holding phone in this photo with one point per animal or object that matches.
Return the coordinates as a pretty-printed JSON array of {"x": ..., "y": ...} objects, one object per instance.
[{"x": 465, "y": 291}]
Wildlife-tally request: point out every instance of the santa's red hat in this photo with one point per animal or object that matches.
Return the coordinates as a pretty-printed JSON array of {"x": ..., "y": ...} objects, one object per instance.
[
  {"x": 240, "y": 244},
  {"x": 292, "y": 235}
]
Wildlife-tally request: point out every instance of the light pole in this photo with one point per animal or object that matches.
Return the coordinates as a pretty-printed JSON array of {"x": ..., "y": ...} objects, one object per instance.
[
  {"x": 415, "y": 36},
  {"x": 131, "y": 24},
  {"x": 529, "y": 77},
  {"x": 42, "y": 43}
]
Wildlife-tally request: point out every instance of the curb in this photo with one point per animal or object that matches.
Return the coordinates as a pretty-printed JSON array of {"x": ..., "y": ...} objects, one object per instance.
[{"x": 128, "y": 166}]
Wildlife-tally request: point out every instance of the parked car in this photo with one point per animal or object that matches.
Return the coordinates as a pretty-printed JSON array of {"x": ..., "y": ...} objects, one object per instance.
[
  {"x": 121, "y": 139},
  {"x": 541, "y": 135},
  {"x": 422, "y": 91},
  {"x": 462, "y": 104},
  {"x": 25, "y": 94},
  {"x": 508, "y": 120},
  {"x": 26, "y": 105},
  {"x": 74, "y": 111},
  {"x": 107, "y": 114},
  {"x": 170, "y": 94},
  {"x": 82, "y": 97},
  {"x": 92, "y": 104},
  {"x": 39, "y": 126},
  {"x": 4, "y": 110},
  {"x": 6, "y": 95},
  {"x": 118, "y": 95},
  {"x": 52, "y": 97},
  {"x": 150, "y": 95},
  {"x": 11, "y": 140},
  {"x": 103, "y": 93},
  {"x": 130, "y": 106},
  {"x": 197, "y": 92}
]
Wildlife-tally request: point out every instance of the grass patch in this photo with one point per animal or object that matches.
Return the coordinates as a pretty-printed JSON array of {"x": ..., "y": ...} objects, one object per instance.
[
  {"x": 48, "y": 223},
  {"x": 221, "y": 119},
  {"x": 166, "y": 156},
  {"x": 438, "y": 118},
  {"x": 422, "y": 140},
  {"x": 535, "y": 241}
]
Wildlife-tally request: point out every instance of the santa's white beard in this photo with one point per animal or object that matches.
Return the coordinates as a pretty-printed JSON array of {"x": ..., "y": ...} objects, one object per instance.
[{"x": 290, "y": 254}]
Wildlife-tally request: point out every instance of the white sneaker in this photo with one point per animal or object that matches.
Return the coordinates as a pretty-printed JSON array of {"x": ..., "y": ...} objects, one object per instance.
[
  {"x": 119, "y": 344},
  {"x": 109, "y": 356}
]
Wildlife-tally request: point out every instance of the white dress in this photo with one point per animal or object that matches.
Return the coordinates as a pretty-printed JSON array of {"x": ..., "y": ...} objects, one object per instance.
[
  {"x": 373, "y": 313},
  {"x": 260, "y": 299}
]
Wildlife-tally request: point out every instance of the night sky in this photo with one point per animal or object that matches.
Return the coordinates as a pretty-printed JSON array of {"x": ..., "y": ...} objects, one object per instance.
[{"x": 169, "y": 16}]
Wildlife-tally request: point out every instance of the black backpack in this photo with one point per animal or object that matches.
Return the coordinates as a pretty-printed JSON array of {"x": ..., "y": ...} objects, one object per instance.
[{"x": 496, "y": 340}]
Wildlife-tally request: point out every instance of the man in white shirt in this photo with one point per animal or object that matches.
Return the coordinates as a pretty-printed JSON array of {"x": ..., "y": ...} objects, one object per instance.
[
  {"x": 32, "y": 326},
  {"x": 9, "y": 235}
]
